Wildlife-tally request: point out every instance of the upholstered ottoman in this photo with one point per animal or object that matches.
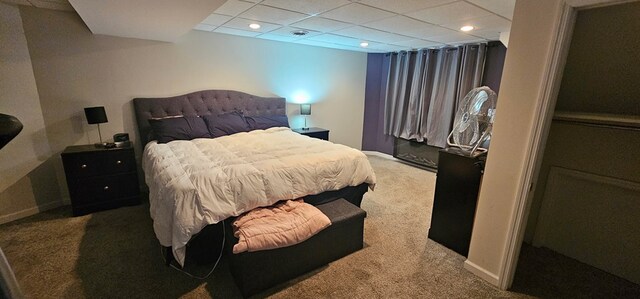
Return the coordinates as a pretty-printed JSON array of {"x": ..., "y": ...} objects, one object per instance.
[{"x": 260, "y": 270}]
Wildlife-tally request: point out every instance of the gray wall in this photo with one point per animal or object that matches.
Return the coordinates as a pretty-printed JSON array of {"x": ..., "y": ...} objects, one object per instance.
[
  {"x": 601, "y": 74},
  {"x": 56, "y": 67},
  {"x": 27, "y": 176}
]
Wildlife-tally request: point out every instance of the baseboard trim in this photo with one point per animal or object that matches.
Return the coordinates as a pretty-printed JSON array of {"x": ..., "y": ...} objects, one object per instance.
[
  {"x": 482, "y": 273},
  {"x": 381, "y": 155},
  {"x": 30, "y": 211}
]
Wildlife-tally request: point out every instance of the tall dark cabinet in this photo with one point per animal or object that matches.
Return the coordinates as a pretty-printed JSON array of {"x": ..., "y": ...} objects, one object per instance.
[{"x": 456, "y": 196}]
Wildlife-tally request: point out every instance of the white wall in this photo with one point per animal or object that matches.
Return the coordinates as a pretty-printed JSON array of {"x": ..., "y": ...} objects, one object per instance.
[
  {"x": 530, "y": 47},
  {"x": 27, "y": 179},
  {"x": 532, "y": 41},
  {"x": 74, "y": 69}
]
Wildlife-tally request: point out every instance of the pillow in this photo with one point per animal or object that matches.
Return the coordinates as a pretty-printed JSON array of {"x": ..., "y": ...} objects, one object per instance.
[
  {"x": 267, "y": 121},
  {"x": 179, "y": 128},
  {"x": 226, "y": 123}
]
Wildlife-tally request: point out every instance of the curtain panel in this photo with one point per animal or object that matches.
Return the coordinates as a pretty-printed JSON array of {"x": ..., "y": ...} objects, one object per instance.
[{"x": 424, "y": 88}]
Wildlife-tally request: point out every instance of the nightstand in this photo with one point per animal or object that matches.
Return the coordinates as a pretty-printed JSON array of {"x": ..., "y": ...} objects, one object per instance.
[
  {"x": 319, "y": 133},
  {"x": 100, "y": 178}
]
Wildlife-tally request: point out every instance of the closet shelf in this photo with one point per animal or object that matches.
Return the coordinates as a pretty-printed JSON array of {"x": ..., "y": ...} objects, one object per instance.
[{"x": 599, "y": 119}]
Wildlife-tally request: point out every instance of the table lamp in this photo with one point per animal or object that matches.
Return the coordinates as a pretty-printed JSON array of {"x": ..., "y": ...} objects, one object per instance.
[
  {"x": 96, "y": 115},
  {"x": 305, "y": 109}
]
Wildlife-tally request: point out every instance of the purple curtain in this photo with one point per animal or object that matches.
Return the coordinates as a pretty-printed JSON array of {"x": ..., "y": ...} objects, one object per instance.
[{"x": 424, "y": 87}]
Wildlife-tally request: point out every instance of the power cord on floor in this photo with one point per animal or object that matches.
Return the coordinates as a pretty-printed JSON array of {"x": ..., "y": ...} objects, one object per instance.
[{"x": 224, "y": 238}]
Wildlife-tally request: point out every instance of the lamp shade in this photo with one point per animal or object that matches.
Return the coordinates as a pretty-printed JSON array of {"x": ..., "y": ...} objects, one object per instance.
[
  {"x": 95, "y": 115},
  {"x": 305, "y": 109}
]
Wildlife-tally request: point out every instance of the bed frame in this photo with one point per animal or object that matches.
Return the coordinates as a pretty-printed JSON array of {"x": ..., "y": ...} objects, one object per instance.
[
  {"x": 214, "y": 102},
  {"x": 206, "y": 102}
]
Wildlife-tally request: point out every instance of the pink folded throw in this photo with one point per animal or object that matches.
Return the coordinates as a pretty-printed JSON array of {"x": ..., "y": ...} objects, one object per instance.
[{"x": 283, "y": 224}]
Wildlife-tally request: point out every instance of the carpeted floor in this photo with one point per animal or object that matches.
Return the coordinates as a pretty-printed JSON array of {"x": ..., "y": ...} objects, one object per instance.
[{"x": 114, "y": 254}]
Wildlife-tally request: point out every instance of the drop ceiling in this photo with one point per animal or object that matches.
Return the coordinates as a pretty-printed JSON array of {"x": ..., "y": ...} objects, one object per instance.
[{"x": 386, "y": 25}]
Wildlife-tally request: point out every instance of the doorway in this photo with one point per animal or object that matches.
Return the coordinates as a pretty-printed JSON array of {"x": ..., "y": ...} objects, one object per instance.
[{"x": 586, "y": 201}]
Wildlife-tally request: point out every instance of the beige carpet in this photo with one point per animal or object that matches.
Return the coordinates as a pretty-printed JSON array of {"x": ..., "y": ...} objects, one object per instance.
[{"x": 114, "y": 254}]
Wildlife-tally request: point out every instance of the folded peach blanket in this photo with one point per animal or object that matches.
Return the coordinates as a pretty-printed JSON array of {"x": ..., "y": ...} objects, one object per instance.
[{"x": 283, "y": 224}]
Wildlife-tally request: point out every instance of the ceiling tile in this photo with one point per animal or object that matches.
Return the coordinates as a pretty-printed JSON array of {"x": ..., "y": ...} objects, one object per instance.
[
  {"x": 454, "y": 38},
  {"x": 310, "y": 7},
  {"x": 236, "y": 32},
  {"x": 336, "y": 39},
  {"x": 272, "y": 15},
  {"x": 449, "y": 13},
  {"x": 487, "y": 34},
  {"x": 357, "y": 14},
  {"x": 408, "y": 26},
  {"x": 403, "y": 6},
  {"x": 331, "y": 45},
  {"x": 321, "y": 24},
  {"x": 371, "y": 34},
  {"x": 500, "y": 7},
  {"x": 216, "y": 20},
  {"x": 419, "y": 43},
  {"x": 204, "y": 27},
  {"x": 286, "y": 31},
  {"x": 278, "y": 37},
  {"x": 243, "y": 24},
  {"x": 387, "y": 47},
  {"x": 491, "y": 22},
  {"x": 233, "y": 7}
]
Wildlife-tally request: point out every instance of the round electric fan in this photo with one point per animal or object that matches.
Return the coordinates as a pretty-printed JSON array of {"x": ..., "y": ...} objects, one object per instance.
[{"x": 474, "y": 120}]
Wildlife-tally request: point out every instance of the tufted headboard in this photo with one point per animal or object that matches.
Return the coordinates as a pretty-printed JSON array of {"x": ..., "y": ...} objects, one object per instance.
[{"x": 204, "y": 102}]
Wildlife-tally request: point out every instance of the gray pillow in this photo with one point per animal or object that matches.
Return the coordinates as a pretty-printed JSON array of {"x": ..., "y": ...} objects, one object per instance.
[
  {"x": 226, "y": 124},
  {"x": 179, "y": 128},
  {"x": 267, "y": 121}
]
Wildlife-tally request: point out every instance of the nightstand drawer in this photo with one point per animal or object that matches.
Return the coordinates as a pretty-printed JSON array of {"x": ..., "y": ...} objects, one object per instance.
[
  {"x": 98, "y": 163},
  {"x": 314, "y": 132},
  {"x": 320, "y": 135},
  {"x": 104, "y": 188}
]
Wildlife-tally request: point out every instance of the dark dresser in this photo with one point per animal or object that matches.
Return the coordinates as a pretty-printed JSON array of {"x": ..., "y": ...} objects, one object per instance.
[
  {"x": 456, "y": 197},
  {"x": 100, "y": 178},
  {"x": 319, "y": 133}
]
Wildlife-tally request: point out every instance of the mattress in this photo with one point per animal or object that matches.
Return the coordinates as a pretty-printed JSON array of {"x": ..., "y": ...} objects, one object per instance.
[{"x": 204, "y": 181}]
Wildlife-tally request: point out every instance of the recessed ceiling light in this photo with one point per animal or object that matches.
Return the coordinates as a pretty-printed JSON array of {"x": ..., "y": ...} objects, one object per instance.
[
  {"x": 364, "y": 44},
  {"x": 467, "y": 28},
  {"x": 254, "y": 26}
]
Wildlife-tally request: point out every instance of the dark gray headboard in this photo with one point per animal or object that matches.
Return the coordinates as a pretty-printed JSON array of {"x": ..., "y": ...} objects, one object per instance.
[{"x": 204, "y": 102}]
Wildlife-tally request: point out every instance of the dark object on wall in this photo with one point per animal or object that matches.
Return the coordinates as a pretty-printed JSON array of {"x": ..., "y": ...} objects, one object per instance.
[
  {"x": 100, "y": 178},
  {"x": 96, "y": 115},
  {"x": 456, "y": 196},
  {"x": 10, "y": 127}
]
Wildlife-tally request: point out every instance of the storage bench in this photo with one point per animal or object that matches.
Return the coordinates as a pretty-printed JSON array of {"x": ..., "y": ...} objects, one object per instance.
[{"x": 260, "y": 270}]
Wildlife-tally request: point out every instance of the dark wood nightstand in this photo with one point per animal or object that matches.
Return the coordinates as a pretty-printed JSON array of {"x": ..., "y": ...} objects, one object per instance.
[
  {"x": 100, "y": 178},
  {"x": 319, "y": 133}
]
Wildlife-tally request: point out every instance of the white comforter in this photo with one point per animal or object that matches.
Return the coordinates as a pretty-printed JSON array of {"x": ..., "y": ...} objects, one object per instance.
[{"x": 204, "y": 181}]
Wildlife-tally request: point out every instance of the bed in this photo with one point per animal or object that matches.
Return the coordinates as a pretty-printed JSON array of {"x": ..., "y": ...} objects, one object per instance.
[{"x": 198, "y": 183}]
